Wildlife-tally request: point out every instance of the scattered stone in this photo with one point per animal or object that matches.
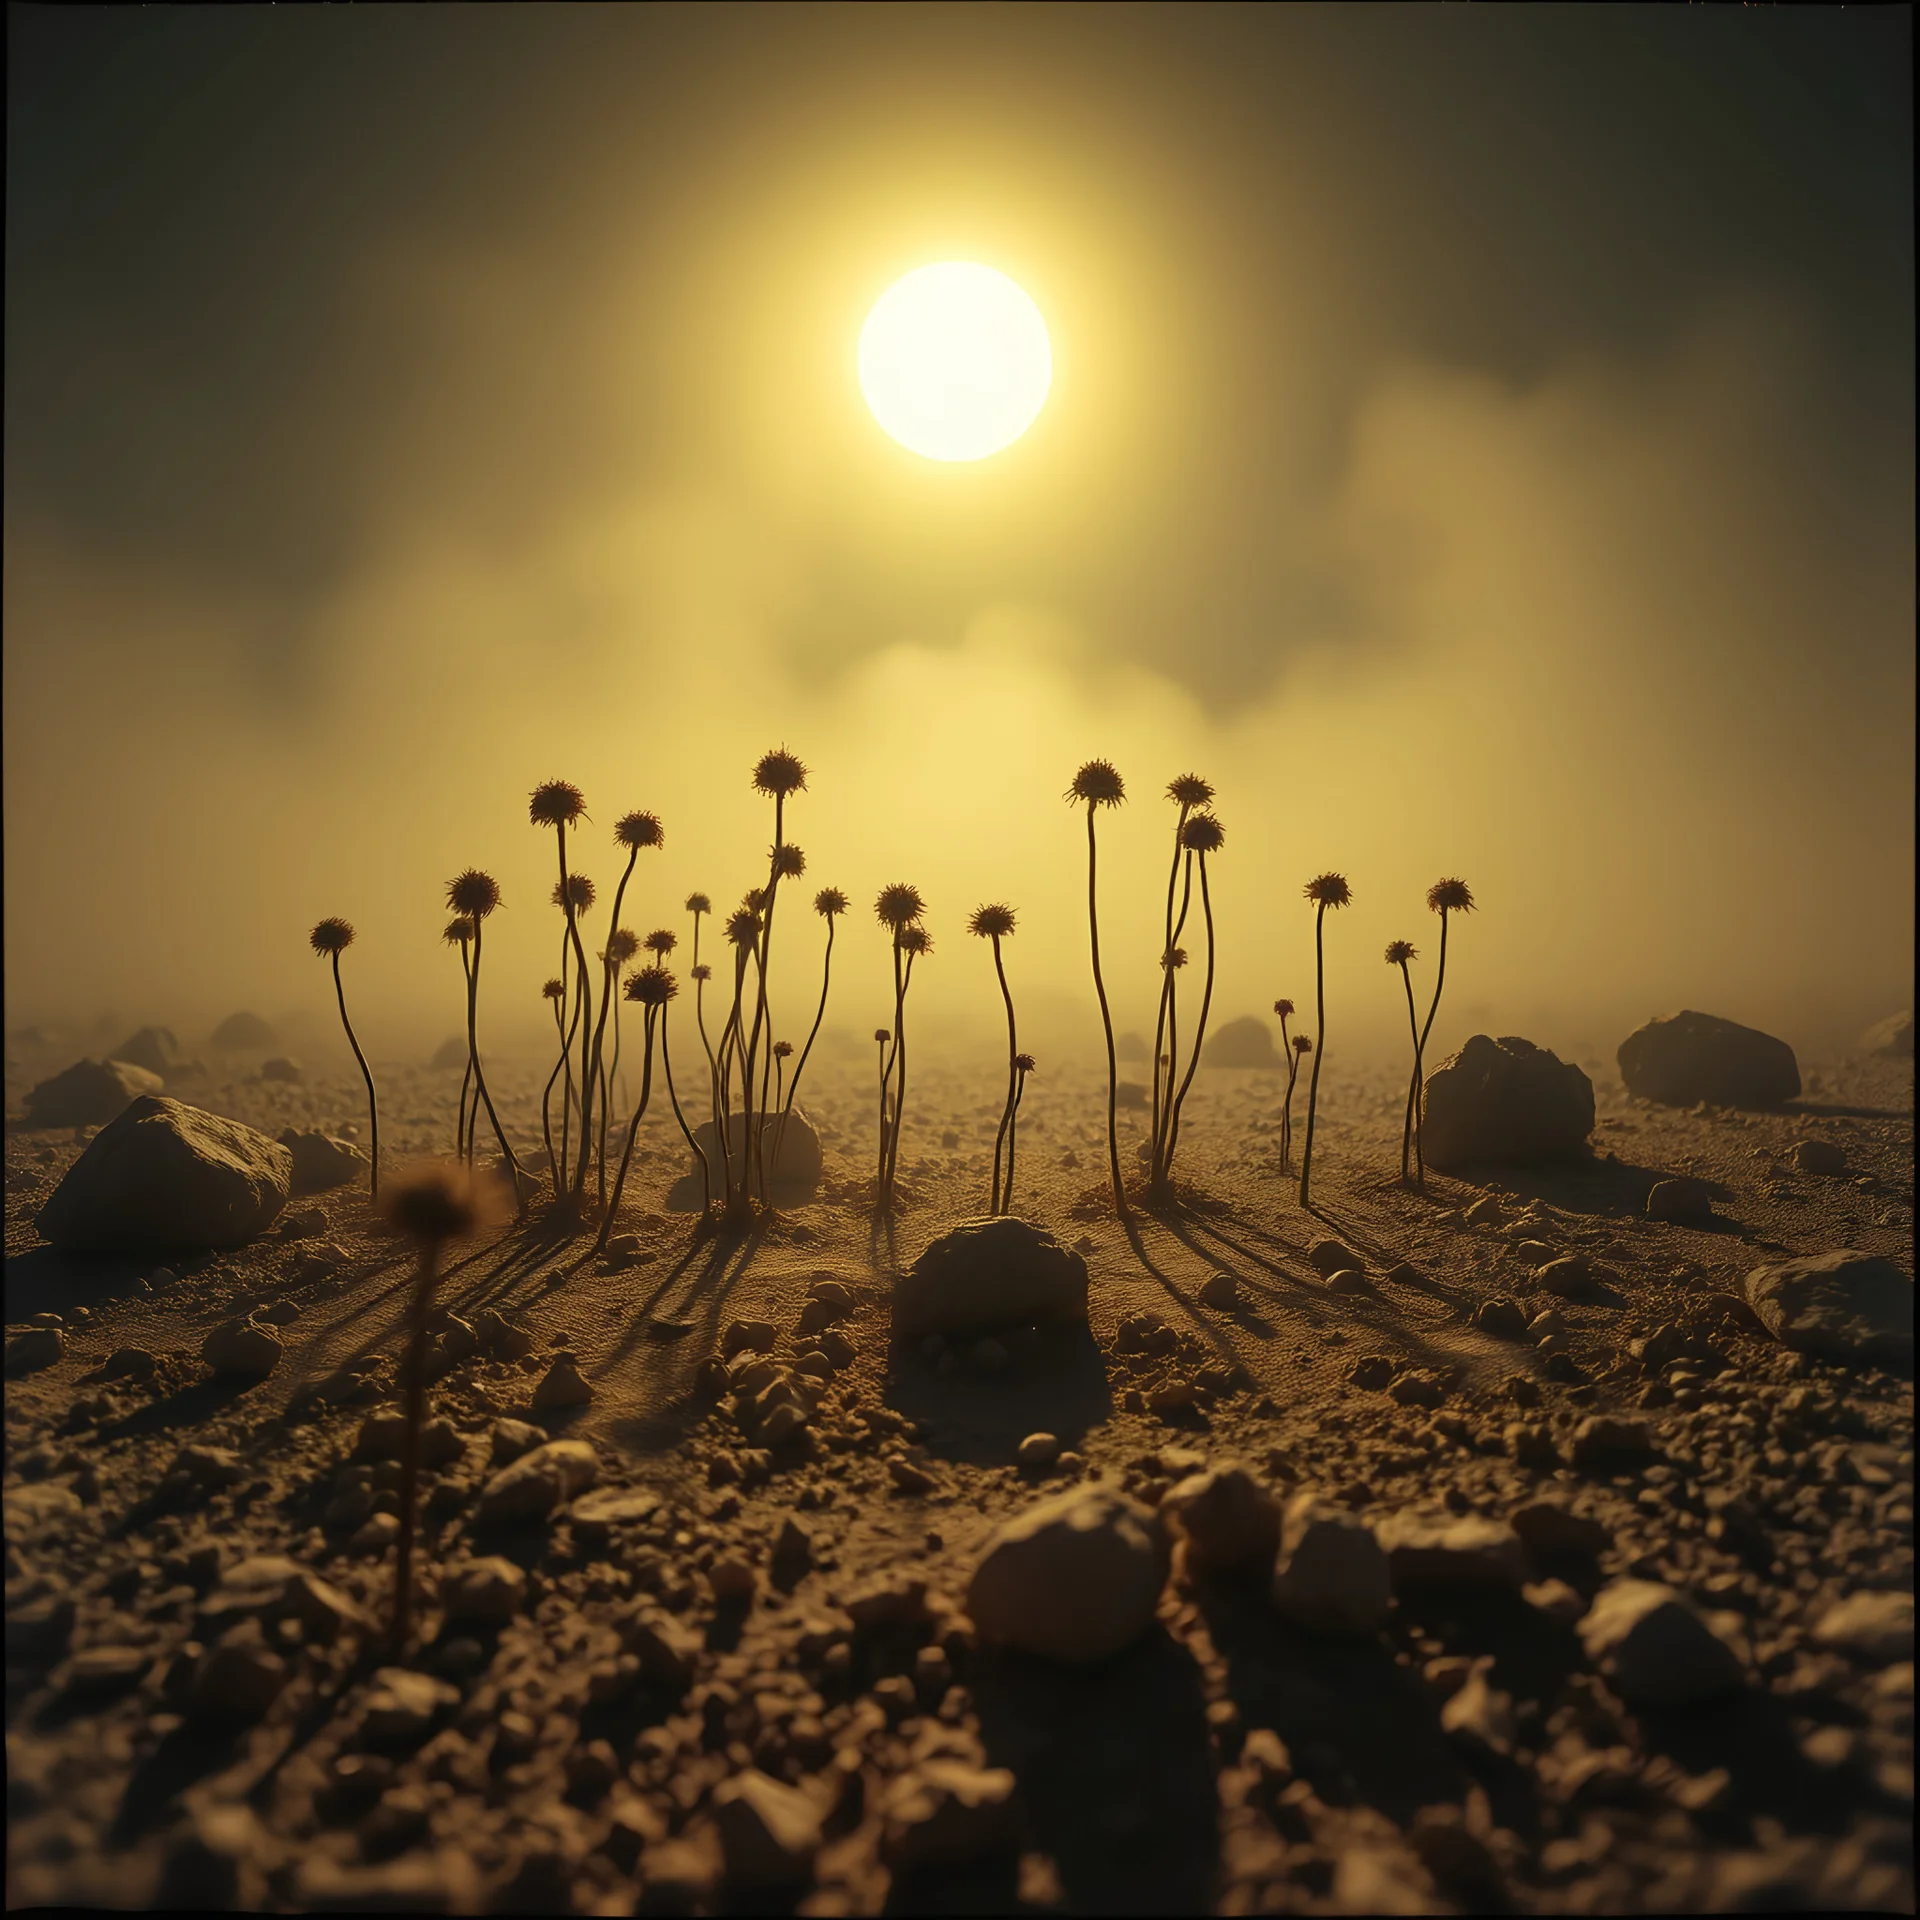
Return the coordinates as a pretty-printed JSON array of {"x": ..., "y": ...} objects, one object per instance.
[
  {"x": 1480, "y": 1716},
  {"x": 89, "y": 1093},
  {"x": 1891, "y": 1038},
  {"x": 1876, "y": 1628},
  {"x": 1505, "y": 1102},
  {"x": 908, "y": 1478},
  {"x": 244, "y": 1348},
  {"x": 106, "y": 1670},
  {"x": 1501, "y": 1317},
  {"x": 1332, "y": 1575},
  {"x": 1652, "y": 1647},
  {"x": 1351, "y": 1282},
  {"x": 1221, "y": 1291},
  {"x": 1417, "y": 1387},
  {"x": 1039, "y": 1450},
  {"x": 1847, "y": 1306},
  {"x": 280, "y": 1068},
  {"x": 1607, "y": 1441},
  {"x": 1427, "y": 1552},
  {"x": 945, "y": 1813},
  {"x": 33, "y": 1350},
  {"x": 1328, "y": 1257},
  {"x": 1559, "y": 1602},
  {"x": 1551, "y": 1531},
  {"x": 732, "y": 1582},
  {"x": 595, "y": 1515},
  {"x": 500, "y": 1337},
  {"x": 1683, "y": 1200},
  {"x": 164, "y": 1174},
  {"x": 769, "y": 1832},
  {"x": 153, "y": 1048},
  {"x": 1245, "y": 1042},
  {"x": 984, "y": 1275},
  {"x": 1570, "y": 1277},
  {"x": 538, "y": 1482},
  {"x": 243, "y": 1033},
  {"x": 1690, "y": 1057},
  {"x": 748, "y": 1336},
  {"x": 1075, "y": 1578},
  {"x": 562, "y": 1386},
  {"x": 321, "y": 1163},
  {"x": 402, "y": 1706},
  {"x": 1227, "y": 1518},
  {"x": 794, "y": 1174},
  {"x": 487, "y": 1592},
  {"x": 1819, "y": 1156},
  {"x": 240, "y": 1678},
  {"x": 1371, "y": 1372},
  {"x": 512, "y": 1438}
]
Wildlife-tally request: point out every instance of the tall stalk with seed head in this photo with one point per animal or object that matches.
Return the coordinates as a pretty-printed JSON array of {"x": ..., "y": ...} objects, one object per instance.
[
  {"x": 555, "y": 995},
  {"x": 633, "y": 831},
  {"x": 474, "y": 895},
  {"x": 995, "y": 923},
  {"x": 1399, "y": 953},
  {"x": 1022, "y": 1066},
  {"x": 1443, "y": 897},
  {"x": 559, "y": 804},
  {"x": 1284, "y": 1008},
  {"x": 1187, "y": 792},
  {"x": 459, "y": 932},
  {"x": 1096, "y": 785},
  {"x": 777, "y": 775},
  {"x": 1325, "y": 890},
  {"x": 899, "y": 909},
  {"x": 651, "y": 988},
  {"x": 829, "y": 903},
  {"x": 331, "y": 938},
  {"x": 1202, "y": 835},
  {"x": 622, "y": 944}
]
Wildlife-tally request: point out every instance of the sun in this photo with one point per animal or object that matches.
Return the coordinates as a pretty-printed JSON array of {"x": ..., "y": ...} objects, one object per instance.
[{"x": 955, "y": 361}]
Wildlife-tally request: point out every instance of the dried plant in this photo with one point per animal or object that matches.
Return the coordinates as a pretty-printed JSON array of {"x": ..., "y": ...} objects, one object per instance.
[
  {"x": 898, "y": 908},
  {"x": 1284, "y": 1008},
  {"x": 651, "y": 988},
  {"x": 622, "y": 945},
  {"x": 1096, "y": 785},
  {"x": 1022, "y": 1066},
  {"x": 1202, "y": 835},
  {"x": 1187, "y": 792},
  {"x": 474, "y": 895},
  {"x": 1325, "y": 890},
  {"x": 995, "y": 923},
  {"x": 1443, "y": 897},
  {"x": 555, "y": 994},
  {"x": 778, "y": 775},
  {"x": 782, "y": 1053},
  {"x": 636, "y": 832},
  {"x": 330, "y": 939},
  {"x": 660, "y": 943},
  {"x": 881, "y": 1036},
  {"x": 1399, "y": 953},
  {"x": 559, "y": 804},
  {"x": 829, "y": 903},
  {"x": 459, "y": 933}
]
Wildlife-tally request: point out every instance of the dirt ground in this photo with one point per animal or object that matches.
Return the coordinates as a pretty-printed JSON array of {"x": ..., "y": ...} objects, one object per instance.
[{"x": 550, "y": 1777}]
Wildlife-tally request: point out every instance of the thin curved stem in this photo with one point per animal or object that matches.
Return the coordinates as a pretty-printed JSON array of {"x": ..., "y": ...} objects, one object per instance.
[
  {"x": 546, "y": 1102},
  {"x": 800, "y": 1066},
  {"x": 1013, "y": 1131},
  {"x": 891, "y": 1136},
  {"x": 1161, "y": 1145},
  {"x": 706, "y": 1172},
  {"x": 1420, "y": 1059},
  {"x": 586, "y": 1021},
  {"x": 480, "y": 1074},
  {"x": 633, "y": 1128},
  {"x": 1199, "y": 1031},
  {"x": 1002, "y": 1199},
  {"x": 366, "y": 1073},
  {"x": 1413, "y": 1086},
  {"x": 611, "y": 966},
  {"x": 1166, "y": 975},
  {"x": 1106, "y": 1019},
  {"x": 460, "y": 1149},
  {"x": 1319, "y": 1049},
  {"x": 880, "y": 1173}
]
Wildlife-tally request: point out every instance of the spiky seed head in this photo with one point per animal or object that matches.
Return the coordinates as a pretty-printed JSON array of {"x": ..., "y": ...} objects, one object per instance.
[
  {"x": 1203, "y": 834},
  {"x": 1329, "y": 890},
  {"x": 1301, "y": 1044},
  {"x": 1190, "y": 790},
  {"x": 640, "y": 830},
  {"x": 779, "y": 772},
  {"x": 1173, "y": 957},
  {"x": 473, "y": 893},
  {"x": 703, "y": 972},
  {"x": 828, "y": 902},
  {"x": 1284, "y": 1008},
  {"x": 332, "y": 936},
  {"x": 1098, "y": 783},
  {"x": 1450, "y": 896},
  {"x": 438, "y": 1200},
  {"x": 754, "y": 899},
  {"x": 556, "y": 803},
  {"x": 783, "y": 1049},
  {"x": 622, "y": 944},
  {"x": 652, "y": 986},
  {"x": 459, "y": 931},
  {"x": 991, "y": 922},
  {"x": 882, "y": 1035},
  {"x": 578, "y": 893},
  {"x": 554, "y": 990},
  {"x": 899, "y": 906},
  {"x": 662, "y": 940},
  {"x": 743, "y": 927},
  {"x": 915, "y": 940},
  {"x": 789, "y": 863},
  {"x": 1023, "y": 1062},
  {"x": 699, "y": 903},
  {"x": 1399, "y": 952}
]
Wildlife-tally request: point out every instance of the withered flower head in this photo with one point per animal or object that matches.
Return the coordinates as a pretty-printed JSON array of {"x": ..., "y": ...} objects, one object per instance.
[
  {"x": 331, "y": 936},
  {"x": 828, "y": 902},
  {"x": 577, "y": 894},
  {"x": 1450, "y": 896},
  {"x": 754, "y": 899},
  {"x": 474, "y": 894},
  {"x": 436, "y": 1200},
  {"x": 1098, "y": 783},
  {"x": 699, "y": 903},
  {"x": 743, "y": 927},
  {"x": 783, "y": 1049},
  {"x": 662, "y": 940},
  {"x": 652, "y": 987},
  {"x": 1329, "y": 890},
  {"x": 779, "y": 772},
  {"x": 1399, "y": 952},
  {"x": 788, "y": 861},
  {"x": 640, "y": 830},
  {"x": 915, "y": 940},
  {"x": 1301, "y": 1044},
  {"x": 703, "y": 971},
  {"x": 882, "y": 1035},
  {"x": 1284, "y": 1008},
  {"x": 459, "y": 931},
  {"x": 1023, "y": 1062},
  {"x": 1203, "y": 834},
  {"x": 991, "y": 922},
  {"x": 558, "y": 803},
  {"x": 1173, "y": 957},
  {"x": 622, "y": 944},
  {"x": 554, "y": 990},
  {"x": 1190, "y": 790},
  {"x": 899, "y": 905}
]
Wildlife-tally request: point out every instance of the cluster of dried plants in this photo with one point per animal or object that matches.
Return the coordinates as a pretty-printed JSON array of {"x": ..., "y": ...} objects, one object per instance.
[{"x": 900, "y": 910}]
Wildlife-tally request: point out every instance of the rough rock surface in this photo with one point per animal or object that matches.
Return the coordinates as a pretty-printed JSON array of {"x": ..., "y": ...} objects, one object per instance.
[
  {"x": 1654, "y": 1648},
  {"x": 1689, "y": 1057},
  {"x": 320, "y": 1162},
  {"x": 1844, "y": 1306},
  {"x": 1227, "y": 1518},
  {"x": 797, "y": 1170},
  {"x": 165, "y": 1174},
  {"x": 1332, "y": 1575},
  {"x": 1246, "y": 1042},
  {"x": 89, "y": 1093},
  {"x": 1075, "y": 1578},
  {"x": 1504, "y": 1102},
  {"x": 987, "y": 1274},
  {"x": 538, "y": 1482},
  {"x": 1431, "y": 1552},
  {"x": 154, "y": 1048}
]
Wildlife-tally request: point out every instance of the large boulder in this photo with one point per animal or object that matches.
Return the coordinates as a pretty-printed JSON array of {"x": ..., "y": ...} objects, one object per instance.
[
  {"x": 244, "y": 1033},
  {"x": 793, "y": 1176},
  {"x": 89, "y": 1093},
  {"x": 1692, "y": 1057},
  {"x": 1504, "y": 1102},
  {"x": 1075, "y": 1578},
  {"x": 154, "y": 1048},
  {"x": 987, "y": 1274},
  {"x": 165, "y": 1174},
  {"x": 1246, "y": 1042},
  {"x": 1842, "y": 1306},
  {"x": 320, "y": 1162},
  {"x": 1332, "y": 1575},
  {"x": 1891, "y": 1038},
  {"x": 1654, "y": 1648}
]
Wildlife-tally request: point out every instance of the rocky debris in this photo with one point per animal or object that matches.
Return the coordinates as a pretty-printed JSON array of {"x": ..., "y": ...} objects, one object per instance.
[
  {"x": 486, "y": 1592},
  {"x": 1331, "y": 1575},
  {"x": 1874, "y": 1627},
  {"x": 1570, "y": 1276},
  {"x": 828, "y": 1301},
  {"x": 1227, "y": 1519},
  {"x": 242, "y": 1347},
  {"x": 769, "y": 1832},
  {"x": 537, "y": 1483},
  {"x": 561, "y": 1386},
  {"x": 748, "y": 1336},
  {"x": 1550, "y": 1531},
  {"x": 34, "y": 1349},
  {"x": 1221, "y": 1291},
  {"x": 1683, "y": 1200},
  {"x": 1654, "y": 1649},
  {"x": 240, "y": 1678},
  {"x": 155, "y": 1049},
  {"x": 320, "y": 1162},
  {"x": 1847, "y": 1306},
  {"x": 1504, "y": 1102},
  {"x": 1891, "y": 1038},
  {"x": 1428, "y": 1552},
  {"x": 1689, "y": 1057},
  {"x": 402, "y": 1706},
  {"x": 1604, "y": 1442},
  {"x": 243, "y": 1033},
  {"x": 165, "y": 1174},
  {"x": 280, "y": 1067},
  {"x": 103, "y": 1670},
  {"x": 947, "y": 1813},
  {"x": 1075, "y": 1578},
  {"x": 1038, "y": 1450},
  {"x": 270, "y": 1588},
  {"x": 500, "y": 1337},
  {"x": 984, "y": 1275},
  {"x": 1417, "y": 1387},
  {"x": 1245, "y": 1042},
  {"x": 89, "y": 1093}
]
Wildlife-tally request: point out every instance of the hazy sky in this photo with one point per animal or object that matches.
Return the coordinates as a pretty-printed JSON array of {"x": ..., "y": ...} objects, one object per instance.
[{"x": 1482, "y": 442}]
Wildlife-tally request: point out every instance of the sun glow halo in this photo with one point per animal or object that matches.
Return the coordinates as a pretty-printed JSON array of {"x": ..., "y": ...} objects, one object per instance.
[{"x": 955, "y": 361}]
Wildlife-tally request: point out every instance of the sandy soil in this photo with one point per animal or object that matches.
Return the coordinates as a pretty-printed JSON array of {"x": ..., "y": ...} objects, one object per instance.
[{"x": 1138, "y": 1784}]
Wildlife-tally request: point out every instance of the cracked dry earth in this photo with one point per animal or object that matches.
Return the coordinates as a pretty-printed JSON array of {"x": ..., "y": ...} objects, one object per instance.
[{"x": 599, "y": 1697}]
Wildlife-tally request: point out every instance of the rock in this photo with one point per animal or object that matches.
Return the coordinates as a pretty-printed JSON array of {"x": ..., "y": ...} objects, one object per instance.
[
  {"x": 320, "y": 1162},
  {"x": 270, "y": 1588},
  {"x": 242, "y": 1347},
  {"x": 1371, "y": 1372},
  {"x": 1504, "y": 1102},
  {"x": 1228, "y": 1519},
  {"x": 511, "y": 1438},
  {"x": 595, "y": 1515},
  {"x": 1819, "y": 1156},
  {"x": 129, "y": 1363},
  {"x": 908, "y": 1478},
  {"x": 988, "y": 1274},
  {"x": 291, "y": 1072},
  {"x": 1480, "y": 1716},
  {"x": 427, "y": 1880},
  {"x": 487, "y": 1592},
  {"x": 402, "y": 1706},
  {"x": 1130, "y": 1094},
  {"x": 944, "y": 1813},
  {"x": 748, "y": 1336},
  {"x": 669, "y": 1653},
  {"x": 34, "y": 1349},
  {"x": 451, "y": 1052},
  {"x": 1332, "y": 1575},
  {"x": 168, "y": 1175},
  {"x": 1681, "y": 1200},
  {"x": 1246, "y": 1042},
  {"x": 1559, "y": 1602},
  {"x": 1221, "y": 1291},
  {"x": 1502, "y": 1318},
  {"x": 1842, "y": 1306},
  {"x": 106, "y": 1670},
  {"x": 1874, "y": 1627},
  {"x": 1417, "y": 1387},
  {"x": 769, "y": 1833},
  {"x": 153, "y": 1048},
  {"x": 1605, "y": 1441},
  {"x": 1427, "y": 1552},
  {"x": 89, "y": 1093},
  {"x": 1328, "y": 1257},
  {"x": 1568, "y": 1278},
  {"x": 1075, "y": 1578},
  {"x": 562, "y": 1386},
  {"x": 240, "y": 1678},
  {"x": 538, "y": 1482},
  {"x": 1891, "y": 1038},
  {"x": 1550, "y": 1531},
  {"x": 1690, "y": 1057},
  {"x": 1038, "y": 1450},
  {"x": 798, "y": 1169},
  {"x": 1653, "y": 1648},
  {"x": 500, "y": 1337},
  {"x": 243, "y": 1033}
]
